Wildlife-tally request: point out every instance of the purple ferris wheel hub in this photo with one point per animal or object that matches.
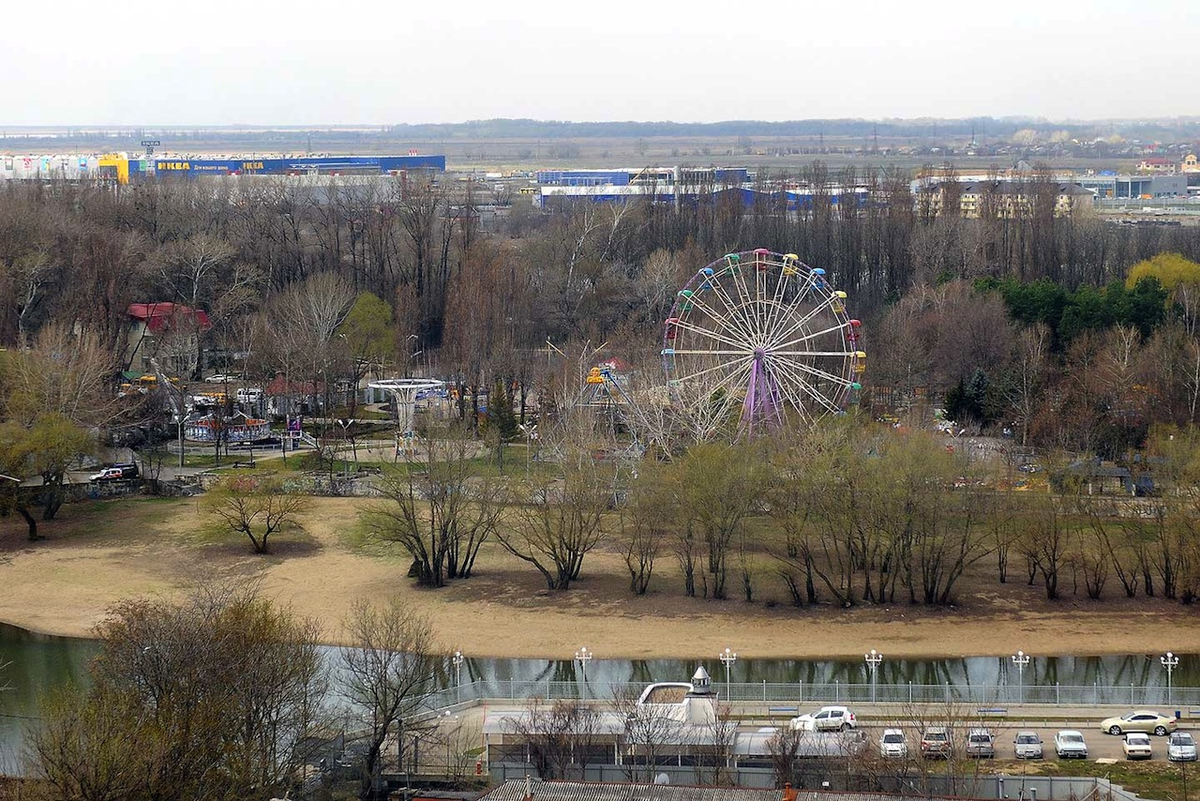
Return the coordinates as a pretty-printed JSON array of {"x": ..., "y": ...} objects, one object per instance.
[{"x": 762, "y": 406}]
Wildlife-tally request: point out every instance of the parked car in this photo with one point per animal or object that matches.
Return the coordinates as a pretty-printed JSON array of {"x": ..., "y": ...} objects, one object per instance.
[
  {"x": 892, "y": 744},
  {"x": 827, "y": 718},
  {"x": 248, "y": 395},
  {"x": 1028, "y": 745},
  {"x": 1136, "y": 745},
  {"x": 222, "y": 378},
  {"x": 1143, "y": 720},
  {"x": 115, "y": 472},
  {"x": 936, "y": 744},
  {"x": 1069, "y": 744},
  {"x": 981, "y": 744},
  {"x": 1181, "y": 747}
]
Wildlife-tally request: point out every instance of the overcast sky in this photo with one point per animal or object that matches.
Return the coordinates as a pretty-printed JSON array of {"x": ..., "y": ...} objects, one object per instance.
[{"x": 358, "y": 62}]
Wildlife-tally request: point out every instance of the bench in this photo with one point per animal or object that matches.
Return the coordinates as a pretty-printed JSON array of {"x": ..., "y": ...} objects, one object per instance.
[
  {"x": 783, "y": 710},
  {"x": 992, "y": 710}
]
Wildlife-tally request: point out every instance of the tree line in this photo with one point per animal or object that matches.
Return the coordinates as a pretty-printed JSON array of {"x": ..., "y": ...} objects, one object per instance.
[{"x": 846, "y": 514}]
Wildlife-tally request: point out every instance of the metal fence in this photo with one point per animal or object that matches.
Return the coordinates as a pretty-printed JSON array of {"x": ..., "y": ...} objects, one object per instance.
[
  {"x": 981, "y": 696},
  {"x": 939, "y": 787}
]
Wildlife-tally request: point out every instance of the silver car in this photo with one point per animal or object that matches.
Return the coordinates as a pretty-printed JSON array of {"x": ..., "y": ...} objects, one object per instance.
[
  {"x": 1181, "y": 747},
  {"x": 1028, "y": 745}
]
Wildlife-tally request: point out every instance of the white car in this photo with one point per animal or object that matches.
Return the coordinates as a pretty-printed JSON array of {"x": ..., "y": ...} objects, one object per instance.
[
  {"x": 1028, "y": 745},
  {"x": 827, "y": 718},
  {"x": 892, "y": 744},
  {"x": 1181, "y": 747},
  {"x": 1137, "y": 746},
  {"x": 1069, "y": 744}
]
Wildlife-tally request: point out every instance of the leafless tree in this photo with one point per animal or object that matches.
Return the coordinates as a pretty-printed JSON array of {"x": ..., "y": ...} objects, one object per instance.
[
  {"x": 559, "y": 737},
  {"x": 440, "y": 510},
  {"x": 388, "y": 671},
  {"x": 558, "y": 520}
]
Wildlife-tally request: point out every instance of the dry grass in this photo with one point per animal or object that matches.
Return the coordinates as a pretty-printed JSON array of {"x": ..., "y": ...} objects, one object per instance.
[{"x": 97, "y": 553}]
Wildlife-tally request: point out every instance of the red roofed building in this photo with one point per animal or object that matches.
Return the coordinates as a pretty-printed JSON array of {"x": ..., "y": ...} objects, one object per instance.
[
  {"x": 168, "y": 333},
  {"x": 1157, "y": 164}
]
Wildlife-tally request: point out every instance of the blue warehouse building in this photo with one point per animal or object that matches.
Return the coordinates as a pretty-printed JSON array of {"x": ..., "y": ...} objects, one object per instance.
[{"x": 299, "y": 165}]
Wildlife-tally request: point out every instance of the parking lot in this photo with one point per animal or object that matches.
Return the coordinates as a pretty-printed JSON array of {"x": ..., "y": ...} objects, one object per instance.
[{"x": 1100, "y": 745}]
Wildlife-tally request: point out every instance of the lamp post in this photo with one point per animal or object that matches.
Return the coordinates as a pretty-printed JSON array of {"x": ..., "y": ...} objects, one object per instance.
[
  {"x": 873, "y": 659},
  {"x": 457, "y": 660},
  {"x": 1170, "y": 662},
  {"x": 583, "y": 656},
  {"x": 727, "y": 658},
  {"x": 1020, "y": 659}
]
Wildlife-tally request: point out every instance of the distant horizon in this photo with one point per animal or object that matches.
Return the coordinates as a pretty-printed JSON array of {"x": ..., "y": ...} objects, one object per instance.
[{"x": 1178, "y": 119}]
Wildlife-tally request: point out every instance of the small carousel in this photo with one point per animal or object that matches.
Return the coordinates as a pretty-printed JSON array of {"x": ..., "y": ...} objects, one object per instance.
[{"x": 237, "y": 427}]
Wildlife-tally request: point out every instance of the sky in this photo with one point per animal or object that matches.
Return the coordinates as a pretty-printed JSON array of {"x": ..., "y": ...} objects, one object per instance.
[{"x": 365, "y": 62}]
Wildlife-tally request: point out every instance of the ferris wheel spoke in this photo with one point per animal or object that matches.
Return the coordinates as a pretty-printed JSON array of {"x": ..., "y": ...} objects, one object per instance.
[
  {"x": 775, "y": 310},
  {"x": 739, "y": 281},
  {"x": 798, "y": 325},
  {"x": 690, "y": 326},
  {"x": 813, "y": 335},
  {"x": 732, "y": 366},
  {"x": 784, "y": 385},
  {"x": 803, "y": 353},
  {"x": 736, "y": 310},
  {"x": 733, "y": 318},
  {"x": 803, "y": 384},
  {"x": 722, "y": 320},
  {"x": 789, "y": 395},
  {"x": 739, "y": 376},
  {"x": 816, "y": 371}
]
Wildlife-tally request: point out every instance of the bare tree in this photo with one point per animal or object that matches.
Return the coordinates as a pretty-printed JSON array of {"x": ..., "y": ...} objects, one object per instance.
[
  {"x": 440, "y": 511},
  {"x": 560, "y": 736},
  {"x": 388, "y": 672},
  {"x": 649, "y": 736},
  {"x": 255, "y": 507},
  {"x": 557, "y": 521}
]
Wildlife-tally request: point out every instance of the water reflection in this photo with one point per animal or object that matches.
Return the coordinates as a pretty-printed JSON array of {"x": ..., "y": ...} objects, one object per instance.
[{"x": 38, "y": 663}]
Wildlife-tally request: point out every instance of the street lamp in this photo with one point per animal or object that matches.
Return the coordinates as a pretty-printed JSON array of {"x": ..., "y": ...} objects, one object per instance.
[
  {"x": 457, "y": 660},
  {"x": 727, "y": 658},
  {"x": 583, "y": 656},
  {"x": 873, "y": 659},
  {"x": 1170, "y": 662},
  {"x": 1020, "y": 659}
]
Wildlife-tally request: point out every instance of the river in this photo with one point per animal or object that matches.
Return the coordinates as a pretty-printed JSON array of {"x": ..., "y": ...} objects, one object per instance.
[{"x": 38, "y": 663}]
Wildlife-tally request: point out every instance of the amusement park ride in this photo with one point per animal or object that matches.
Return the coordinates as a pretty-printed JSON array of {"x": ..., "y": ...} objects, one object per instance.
[
  {"x": 765, "y": 331},
  {"x": 757, "y": 337}
]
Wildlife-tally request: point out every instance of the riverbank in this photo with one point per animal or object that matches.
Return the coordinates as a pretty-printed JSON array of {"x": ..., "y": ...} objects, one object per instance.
[{"x": 101, "y": 552}]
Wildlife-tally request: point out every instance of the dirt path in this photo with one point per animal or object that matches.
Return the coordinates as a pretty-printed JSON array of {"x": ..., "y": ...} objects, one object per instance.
[{"x": 101, "y": 552}]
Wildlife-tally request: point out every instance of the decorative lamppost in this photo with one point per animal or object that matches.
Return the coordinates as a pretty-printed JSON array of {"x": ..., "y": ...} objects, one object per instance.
[
  {"x": 1170, "y": 662},
  {"x": 457, "y": 660},
  {"x": 1020, "y": 659},
  {"x": 583, "y": 656},
  {"x": 727, "y": 658},
  {"x": 873, "y": 659}
]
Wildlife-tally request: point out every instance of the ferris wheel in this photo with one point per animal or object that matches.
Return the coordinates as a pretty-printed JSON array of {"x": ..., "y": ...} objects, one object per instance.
[{"x": 765, "y": 332}]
